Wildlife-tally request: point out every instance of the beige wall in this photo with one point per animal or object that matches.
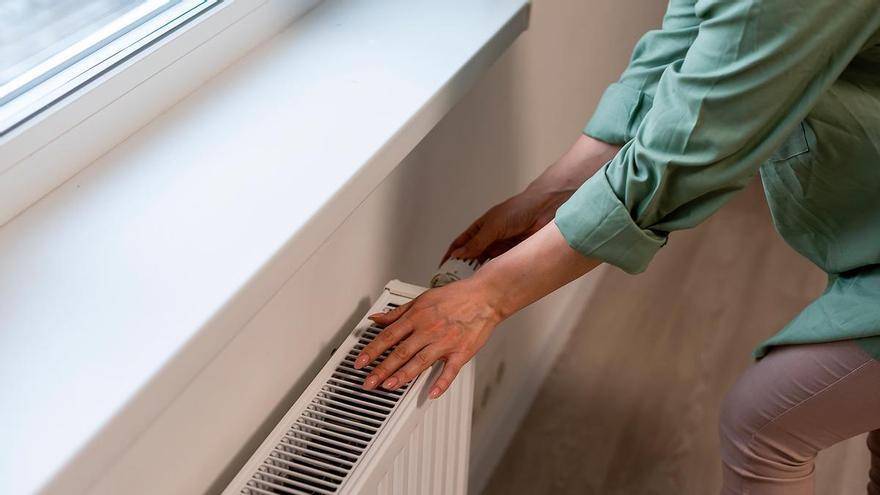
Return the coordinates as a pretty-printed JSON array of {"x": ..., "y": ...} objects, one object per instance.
[
  {"x": 518, "y": 119},
  {"x": 527, "y": 110}
]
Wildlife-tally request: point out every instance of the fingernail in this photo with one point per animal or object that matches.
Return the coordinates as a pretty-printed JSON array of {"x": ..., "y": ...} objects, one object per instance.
[
  {"x": 390, "y": 383},
  {"x": 361, "y": 361},
  {"x": 371, "y": 382},
  {"x": 457, "y": 253},
  {"x": 435, "y": 392},
  {"x": 375, "y": 315}
]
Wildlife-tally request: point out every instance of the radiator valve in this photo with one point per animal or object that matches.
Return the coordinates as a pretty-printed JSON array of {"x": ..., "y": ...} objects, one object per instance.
[{"x": 454, "y": 269}]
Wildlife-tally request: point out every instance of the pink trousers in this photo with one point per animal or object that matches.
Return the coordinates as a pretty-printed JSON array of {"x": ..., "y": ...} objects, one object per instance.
[{"x": 790, "y": 405}]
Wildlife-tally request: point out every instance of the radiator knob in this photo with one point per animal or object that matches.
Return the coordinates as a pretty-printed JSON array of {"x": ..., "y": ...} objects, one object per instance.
[{"x": 453, "y": 270}]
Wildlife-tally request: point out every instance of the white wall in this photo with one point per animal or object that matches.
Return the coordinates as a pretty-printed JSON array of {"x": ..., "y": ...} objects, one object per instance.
[{"x": 521, "y": 117}]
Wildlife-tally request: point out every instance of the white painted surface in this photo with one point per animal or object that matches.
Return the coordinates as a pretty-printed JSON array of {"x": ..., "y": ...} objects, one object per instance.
[
  {"x": 421, "y": 446},
  {"x": 117, "y": 289}
]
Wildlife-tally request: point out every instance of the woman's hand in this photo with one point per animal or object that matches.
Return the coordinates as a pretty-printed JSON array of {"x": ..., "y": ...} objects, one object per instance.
[
  {"x": 448, "y": 324},
  {"x": 452, "y": 323},
  {"x": 508, "y": 223}
]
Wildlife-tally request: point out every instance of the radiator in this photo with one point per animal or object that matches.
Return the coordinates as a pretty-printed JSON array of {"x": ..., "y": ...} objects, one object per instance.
[{"x": 340, "y": 439}]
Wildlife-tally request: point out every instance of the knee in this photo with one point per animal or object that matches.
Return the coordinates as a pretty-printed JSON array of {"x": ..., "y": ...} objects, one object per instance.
[
  {"x": 754, "y": 443},
  {"x": 737, "y": 424}
]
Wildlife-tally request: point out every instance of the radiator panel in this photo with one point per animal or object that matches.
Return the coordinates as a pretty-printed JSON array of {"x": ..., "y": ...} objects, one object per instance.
[
  {"x": 430, "y": 454},
  {"x": 340, "y": 439}
]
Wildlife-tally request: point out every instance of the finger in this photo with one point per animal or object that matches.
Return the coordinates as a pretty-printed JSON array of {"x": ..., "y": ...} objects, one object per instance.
[
  {"x": 464, "y": 237},
  {"x": 477, "y": 244},
  {"x": 391, "y": 316},
  {"x": 418, "y": 363},
  {"x": 386, "y": 339},
  {"x": 398, "y": 357},
  {"x": 450, "y": 370}
]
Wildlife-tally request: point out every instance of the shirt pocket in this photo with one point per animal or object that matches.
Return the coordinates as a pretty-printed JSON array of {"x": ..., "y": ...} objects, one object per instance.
[{"x": 798, "y": 143}]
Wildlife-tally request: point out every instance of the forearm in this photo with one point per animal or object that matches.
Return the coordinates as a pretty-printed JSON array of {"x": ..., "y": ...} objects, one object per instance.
[
  {"x": 578, "y": 164},
  {"x": 453, "y": 322},
  {"x": 533, "y": 269}
]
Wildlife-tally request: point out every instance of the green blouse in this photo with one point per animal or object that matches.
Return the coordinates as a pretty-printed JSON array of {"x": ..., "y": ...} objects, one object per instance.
[{"x": 725, "y": 89}]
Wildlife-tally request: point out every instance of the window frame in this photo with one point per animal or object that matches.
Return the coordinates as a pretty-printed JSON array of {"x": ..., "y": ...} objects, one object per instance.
[
  {"x": 54, "y": 144},
  {"x": 62, "y": 77}
]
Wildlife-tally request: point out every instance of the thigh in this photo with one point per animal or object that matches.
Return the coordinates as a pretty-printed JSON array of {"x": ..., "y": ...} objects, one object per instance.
[{"x": 797, "y": 401}]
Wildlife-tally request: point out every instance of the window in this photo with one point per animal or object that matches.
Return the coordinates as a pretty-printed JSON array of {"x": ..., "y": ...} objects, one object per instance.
[
  {"x": 49, "y": 48},
  {"x": 79, "y": 76}
]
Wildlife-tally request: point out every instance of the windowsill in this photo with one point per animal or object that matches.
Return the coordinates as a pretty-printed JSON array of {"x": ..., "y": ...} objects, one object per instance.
[{"x": 119, "y": 286}]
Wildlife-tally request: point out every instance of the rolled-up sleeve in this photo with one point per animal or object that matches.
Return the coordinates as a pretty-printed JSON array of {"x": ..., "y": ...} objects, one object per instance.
[
  {"x": 624, "y": 104},
  {"x": 611, "y": 235},
  {"x": 748, "y": 79}
]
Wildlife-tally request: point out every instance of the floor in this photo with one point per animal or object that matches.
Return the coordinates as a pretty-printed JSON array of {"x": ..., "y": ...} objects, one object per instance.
[{"x": 631, "y": 406}]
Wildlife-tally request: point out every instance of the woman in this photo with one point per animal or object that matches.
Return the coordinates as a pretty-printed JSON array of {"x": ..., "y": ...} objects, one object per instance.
[{"x": 724, "y": 89}]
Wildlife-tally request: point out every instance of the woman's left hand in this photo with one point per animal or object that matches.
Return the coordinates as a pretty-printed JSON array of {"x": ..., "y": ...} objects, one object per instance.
[{"x": 448, "y": 324}]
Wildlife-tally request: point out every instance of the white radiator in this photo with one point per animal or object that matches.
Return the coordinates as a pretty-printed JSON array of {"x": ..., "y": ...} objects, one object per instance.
[{"x": 340, "y": 439}]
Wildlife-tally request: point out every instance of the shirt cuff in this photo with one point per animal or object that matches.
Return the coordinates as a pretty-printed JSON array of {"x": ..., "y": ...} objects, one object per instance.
[
  {"x": 596, "y": 224},
  {"x": 618, "y": 114}
]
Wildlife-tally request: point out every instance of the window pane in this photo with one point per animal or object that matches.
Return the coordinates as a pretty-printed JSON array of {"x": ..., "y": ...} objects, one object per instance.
[{"x": 61, "y": 39}]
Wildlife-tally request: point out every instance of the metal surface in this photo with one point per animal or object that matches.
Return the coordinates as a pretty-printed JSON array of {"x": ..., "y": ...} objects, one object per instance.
[{"x": 339, "y": 438}]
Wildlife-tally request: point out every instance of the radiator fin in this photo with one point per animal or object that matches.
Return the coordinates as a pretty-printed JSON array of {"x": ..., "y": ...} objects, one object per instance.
[
  {"x": 338, "y": 439},
  {"x": 430, "y": 461},
  {"x": 325, "y": 443}
]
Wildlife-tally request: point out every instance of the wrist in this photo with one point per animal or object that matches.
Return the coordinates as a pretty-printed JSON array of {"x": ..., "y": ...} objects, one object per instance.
[
  {"x": 532, "y": 269},
  {"x": 494, "y": 291}
]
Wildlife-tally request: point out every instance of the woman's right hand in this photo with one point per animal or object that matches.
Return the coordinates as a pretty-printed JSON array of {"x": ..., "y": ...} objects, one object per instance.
[{"x": 508, "y": 223}]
